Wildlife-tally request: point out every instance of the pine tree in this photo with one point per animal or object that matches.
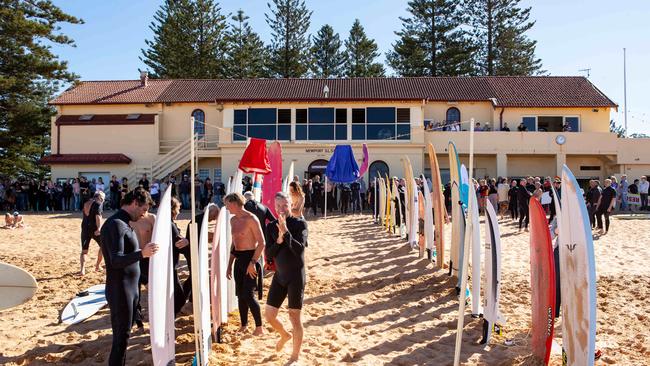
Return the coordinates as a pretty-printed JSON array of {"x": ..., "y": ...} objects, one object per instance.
[
  {"x": 246, "y": 56},
  {"x": 499, "y": 27},
  {"x": 432, "y": 42},
  {"x": 360, "y": 54},
  {"x": 30, "y": 75},
  {"x": 189, "y": 40},
  {"x": 289, "y": 51},
  {"x": 326, "y": 50}
]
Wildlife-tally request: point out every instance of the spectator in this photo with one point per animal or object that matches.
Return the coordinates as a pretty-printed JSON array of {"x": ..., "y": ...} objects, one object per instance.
[
  {"x": 184, "y": 189},
  {"x": 605, "y": 206},
  {"x": 487, "y": 127},
  {"x": 621, "y": 193},
  {"x": 522, "y": 127},
  {"x": 566, "y": 127},
  {"x": 114, "y": 190},
  {"x": 144, "y": 182},
  {"x": 593, "y": 197},
  {"x": 505, "y": 127},
  {"x": 644, "y": 185}
]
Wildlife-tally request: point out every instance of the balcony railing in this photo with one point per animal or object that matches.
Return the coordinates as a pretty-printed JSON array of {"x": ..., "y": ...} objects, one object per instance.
[{"x": 204, "y": 142}]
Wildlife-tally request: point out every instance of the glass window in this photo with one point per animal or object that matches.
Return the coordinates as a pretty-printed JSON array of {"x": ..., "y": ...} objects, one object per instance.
[
  {"x": 262, "y": 116},
  {"x": 239, "y": 133},
  {"x": 321, "y": 132},
  {"x": 262, "y": 132},
  {"x": 403, "y": 132},
  {"x": 284, "y": 116},
  {"x": 358, "y": 115},
  {"x": 341, "y": 132},
  {"x": 284, "y": 132},
  {"x": 380, "y": 131},
  {"x": 341, "y": 115},
  {"x": 301, "y": 132},
  {"x": 240, "y": 117},
  {"x": 321, "y": 115},
  {"x": 574, "y": 123},
  {"x": 381, "y": 115},
  {"x": 530, "y": 123},
  {"x": 217, "y": 175},
  {"x": 550, "y": 124},
  {"x": 199, "y": 122},
  {"x": 453, "y": 114},
  {"x": 378, "y": 168},
  {"x": 358, "y": 132},
  {"x": 403, "y": 115},
  {"x": 301, "y": 116},
  {"x": 203, "y": 174}
]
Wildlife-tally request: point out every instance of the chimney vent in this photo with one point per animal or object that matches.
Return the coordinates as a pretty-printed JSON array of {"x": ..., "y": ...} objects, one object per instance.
[{"x": 144, "y": 78}]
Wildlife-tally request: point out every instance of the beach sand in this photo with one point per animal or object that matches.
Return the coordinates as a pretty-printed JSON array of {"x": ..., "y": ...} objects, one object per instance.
[{"x": 369, "y": 301}]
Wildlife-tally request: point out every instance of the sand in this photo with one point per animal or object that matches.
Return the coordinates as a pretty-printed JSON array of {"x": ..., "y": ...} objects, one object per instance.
[{"x": 369, "y": 301}]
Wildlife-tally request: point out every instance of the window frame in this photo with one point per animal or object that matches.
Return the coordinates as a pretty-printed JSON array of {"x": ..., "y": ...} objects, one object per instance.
[
  {"x": 460, "y": 119},
  {"x": 202, "y": 124}
]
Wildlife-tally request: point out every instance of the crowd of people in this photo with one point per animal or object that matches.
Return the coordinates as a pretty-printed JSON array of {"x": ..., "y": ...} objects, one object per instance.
[{"x": 487, "y": 126}]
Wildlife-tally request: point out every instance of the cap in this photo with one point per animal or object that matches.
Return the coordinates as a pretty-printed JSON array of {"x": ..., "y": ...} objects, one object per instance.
[{"x": 16, "y": 213}]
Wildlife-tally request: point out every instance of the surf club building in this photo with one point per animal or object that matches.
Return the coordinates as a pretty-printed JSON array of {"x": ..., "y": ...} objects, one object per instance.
[{"x": 130, "y": 127}]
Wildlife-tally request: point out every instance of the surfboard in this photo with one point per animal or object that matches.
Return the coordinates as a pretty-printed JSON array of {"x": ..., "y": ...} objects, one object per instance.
[
  {"x": 461, "y": 247},
  {"x": 17, "y": 286},
  {"x": 475, "y": 241},
  {"x": 397, "y": 205},
  {"x": 161, "y": 287},
  {"x": 438, "y": 203},
  {"x": 289, "y": 177},
  {"x": 201, "y": 298},
  {"x": 405, "y": 228},
  {"x": 578, "y": 275},
  {"x": 273, "y": 180},
  {"x": 456, "y": 215},
  {"x": 464, "y": 185},
  {"x": 381, "y": 201},
  {"x": 491, "y": 313},
  {"x": 83, "y": 307},
  {"x": 218, "y": 266},
  {"x": 542, "y": 282},
  {"x": 429, "y": 235},
  {"x": 413, "y": 204}
]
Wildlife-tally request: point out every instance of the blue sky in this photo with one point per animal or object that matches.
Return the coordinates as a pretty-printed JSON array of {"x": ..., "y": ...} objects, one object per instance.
[{"x": 571, "y": 35}]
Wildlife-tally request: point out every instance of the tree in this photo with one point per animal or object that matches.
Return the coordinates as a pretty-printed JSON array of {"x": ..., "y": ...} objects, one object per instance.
[
  {"x": 246, "y": 56},
  {"x": 289, "y": 51},
  {"x": 189, "y": 40},
  {"x": 618, "y": 130},
  {"x": 360, "y": 54},
  {"x": 432, "y": 41},
  {"x": 499, "y": 28},
  {"x": 326, "y": 50},
  {"x": 30, "y": 75}
]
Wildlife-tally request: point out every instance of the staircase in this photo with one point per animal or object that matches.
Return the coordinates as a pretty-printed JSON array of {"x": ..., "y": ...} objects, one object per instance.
[{"x": 174, "y": 160}]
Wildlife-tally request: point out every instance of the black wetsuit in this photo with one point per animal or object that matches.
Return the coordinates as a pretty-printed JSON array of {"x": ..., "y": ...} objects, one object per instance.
[
  {"x": 512, "y": 203},
  {"x": 523, "y": 198},
  {"x": 180, "y": 297},
  {"x": 289, "y": 279},
  {"x": 606, "y": 197},
  {"x": 89, "y": 226},
  {"x": 122, "y": 255},
  {"x": 245, "y": 286},
  {"x": 316, "y": 196}
]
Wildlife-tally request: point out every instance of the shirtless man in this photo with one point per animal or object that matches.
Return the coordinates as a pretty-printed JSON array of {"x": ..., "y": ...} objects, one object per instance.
[
  {"x": 143, "y": 231},
  {"x": 90, "y": 225},
  {"x": 248, "y": 246}
]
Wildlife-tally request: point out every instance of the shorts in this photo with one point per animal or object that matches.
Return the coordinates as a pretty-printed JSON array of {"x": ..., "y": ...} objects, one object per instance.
[
  {"x": 421, "y": 226},
  {"x": 85, "y": 239},
  {"x": 294, "y": 290}
]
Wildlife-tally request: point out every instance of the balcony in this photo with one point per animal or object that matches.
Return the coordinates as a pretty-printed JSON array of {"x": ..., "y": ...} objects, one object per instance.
[
  {"x": 203, "y": 143},
  {"x": 525, "y": 143}
]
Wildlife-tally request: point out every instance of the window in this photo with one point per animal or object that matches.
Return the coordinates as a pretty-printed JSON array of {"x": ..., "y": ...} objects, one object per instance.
[
  {"x": 358, "y": 124},
  {"x": 239, "y": 129},
  {"x": 301, "y": 124},
  {"x": 573, "y": 122},
  {"x": 380, "y": 123},
  {"x": 217, "y": 175},
  {"x": 199, "y": 122},
  {"x": 284, "y": 124},
  {"x": 550, "y": 123},
  {"x": 86, "y": 117},
  {"x": 262, "y": 123},
  {"x": 133, "y": 116},
  {"x": 589, "y": 167},
  {"x": 203, "y": 174},
  {"x": 403, "y": 115},
  {"x": 321, "y": 124},
  {"x": 530, "y": 123},
  {"x": 453, "y": 115},
  {"x": 378, "y": 168},
  {"x": 341, "y": 127}
]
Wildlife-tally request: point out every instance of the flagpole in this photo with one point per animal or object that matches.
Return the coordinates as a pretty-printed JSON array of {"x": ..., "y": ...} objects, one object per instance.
[
  {"x": 325, "y": 216},
  {"x": 468, "y": 231}
]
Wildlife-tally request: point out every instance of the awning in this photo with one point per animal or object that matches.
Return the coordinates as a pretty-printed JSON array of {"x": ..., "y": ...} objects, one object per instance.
[{"x": 85, "y": 159}]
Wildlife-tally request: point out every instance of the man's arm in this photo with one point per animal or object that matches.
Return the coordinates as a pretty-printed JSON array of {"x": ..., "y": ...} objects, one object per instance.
[
  {"x": 259, "y": 238},
  {"x": 297, "y": 241},
  {"x": 271, "y": 235}
]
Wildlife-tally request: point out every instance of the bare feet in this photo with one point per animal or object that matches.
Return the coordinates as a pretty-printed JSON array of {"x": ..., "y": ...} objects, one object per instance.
[
  {"x": 83, "y": 271},
  {"x": 242, "y": 329},
  {"x": 283, "y": 340},
  {"x": 258, "y": 331}
]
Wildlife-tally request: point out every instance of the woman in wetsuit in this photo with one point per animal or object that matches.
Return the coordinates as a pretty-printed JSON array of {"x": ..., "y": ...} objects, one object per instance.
[
  {"x": 179, "y": 243},
  {"x": 122, "y": 255}
]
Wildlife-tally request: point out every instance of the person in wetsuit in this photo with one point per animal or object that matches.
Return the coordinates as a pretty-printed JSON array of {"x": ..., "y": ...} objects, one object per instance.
[
  {"x": 286, "y": 240},
  {"x": 247, "y": 248},
  {"x": 523, "y": 199},
  {"x": 90, "y": 224},
  {"x": 122, "y": 254},
  {"x": 143, "y": 230},
  {"x": 180, "y": 243}
]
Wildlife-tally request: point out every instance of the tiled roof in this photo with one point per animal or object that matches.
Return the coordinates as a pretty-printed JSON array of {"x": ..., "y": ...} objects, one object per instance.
[
  {"x": 85, "y": 159},
  {"x": 106, "y": 119},
  {"x": 543, "y": 91}
]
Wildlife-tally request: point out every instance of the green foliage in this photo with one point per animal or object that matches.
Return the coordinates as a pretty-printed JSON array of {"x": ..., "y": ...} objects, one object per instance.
[
  {"x": 246, "y": 55},
  {"x": 289, "y": 51},
  {"x": 189, "y": 40},
  {"x": 29, "y": 76},
  {"x": 327, "y": 56},
  {"x": 499, "y": 29},
  {"x": 360, "y": 54},
  {"x": 432, "y": 41},
  {"x": 618, "y": 130}
]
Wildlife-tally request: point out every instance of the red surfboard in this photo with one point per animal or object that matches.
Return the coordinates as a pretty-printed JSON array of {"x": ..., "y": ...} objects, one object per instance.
[
  {"x": 542, "y": 282},
  {"x": 273, "y": 181}
]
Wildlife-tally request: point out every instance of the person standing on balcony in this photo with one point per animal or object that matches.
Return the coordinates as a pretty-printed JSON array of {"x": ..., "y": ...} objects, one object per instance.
[
  {"x": 184, "y": 189},
  {"x": 144, "y": 182},
  {"x": 522, "y": 127},
  {"x": 505, "y": 127}
]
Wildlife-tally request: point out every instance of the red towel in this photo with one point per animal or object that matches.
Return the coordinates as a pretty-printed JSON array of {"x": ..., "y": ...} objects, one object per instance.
[{"x": 255, "y": 159}]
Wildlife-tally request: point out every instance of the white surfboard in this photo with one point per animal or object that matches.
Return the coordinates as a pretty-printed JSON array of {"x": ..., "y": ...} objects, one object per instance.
[
  {"x": 475, "y": 241},
  {"x": 201, "y": 298},
  {"x": 456, "y": 217},
  {"x": 492, "y": 289},
  {"x": 237, "y": 186},
  {"x": 428, "y": 217},
  {"x": 17, "y": 286},
  {"x": 578, "y": 275},
  {"x": 83, "y": 307},
  {"x": 382, "y": 201},
  {"x": 161, "y": 287},
  {"x": 219, "y": 283},
  {"x": 461, "y": 247}
]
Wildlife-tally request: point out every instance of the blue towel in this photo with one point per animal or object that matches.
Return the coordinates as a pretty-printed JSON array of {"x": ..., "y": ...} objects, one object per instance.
[{"x": 342, "y": 167}]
